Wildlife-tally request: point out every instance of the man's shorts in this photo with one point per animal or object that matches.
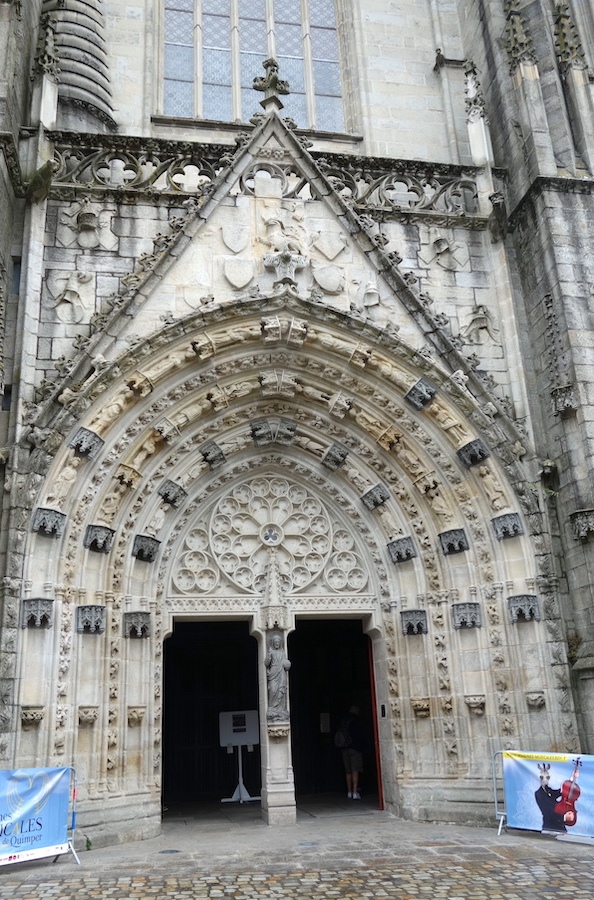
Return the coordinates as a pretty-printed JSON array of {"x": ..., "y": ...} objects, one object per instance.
[{"x": 352, "y": 760}]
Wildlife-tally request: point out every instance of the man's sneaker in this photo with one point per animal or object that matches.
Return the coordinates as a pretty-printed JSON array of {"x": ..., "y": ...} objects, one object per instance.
[{"x": 356, "y": 795}]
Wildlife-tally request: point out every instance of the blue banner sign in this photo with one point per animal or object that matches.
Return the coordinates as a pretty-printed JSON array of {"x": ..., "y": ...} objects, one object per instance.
[
  {"x": 549, "y": 792},
  {"x": 33, "y": 813}
]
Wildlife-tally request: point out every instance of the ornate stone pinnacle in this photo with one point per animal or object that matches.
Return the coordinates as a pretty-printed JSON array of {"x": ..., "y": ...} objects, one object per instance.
[{"x": 272, "y": 86}]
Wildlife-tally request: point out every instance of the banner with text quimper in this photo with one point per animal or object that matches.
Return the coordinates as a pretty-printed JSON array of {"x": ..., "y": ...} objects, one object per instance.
[
  {"x": 33, "y": 813},
  {"x": 549, "y": 792}
]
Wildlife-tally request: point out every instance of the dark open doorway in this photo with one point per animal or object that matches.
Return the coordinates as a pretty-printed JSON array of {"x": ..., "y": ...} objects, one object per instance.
[
  {"x": 209, "y": 667},
  {"x": 330, "y": 672}
]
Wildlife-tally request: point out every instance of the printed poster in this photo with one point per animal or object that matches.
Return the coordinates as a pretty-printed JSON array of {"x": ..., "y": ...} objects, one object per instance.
[
  {"x": 33, "y": 813},
  {"x": 549, "y": 792}
]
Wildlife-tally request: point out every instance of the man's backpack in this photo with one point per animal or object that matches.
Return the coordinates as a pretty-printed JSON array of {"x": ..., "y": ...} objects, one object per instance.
[{"x": 342, "y": 738}]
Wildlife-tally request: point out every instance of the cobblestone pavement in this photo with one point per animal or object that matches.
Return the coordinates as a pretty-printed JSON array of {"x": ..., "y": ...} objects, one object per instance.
[{"x": 332, "y": 853}]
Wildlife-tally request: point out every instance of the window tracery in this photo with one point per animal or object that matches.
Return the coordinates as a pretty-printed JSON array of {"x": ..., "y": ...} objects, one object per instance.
[{"x": 215, "y": 48}]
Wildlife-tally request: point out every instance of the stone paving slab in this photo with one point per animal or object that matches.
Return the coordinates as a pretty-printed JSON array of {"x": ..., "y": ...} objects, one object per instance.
[
  {"x": 365, "y": 855},
  {"x": 468, "y": 881}
]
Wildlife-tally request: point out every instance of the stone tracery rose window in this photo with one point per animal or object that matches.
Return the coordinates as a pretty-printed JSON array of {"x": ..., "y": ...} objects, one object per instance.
[{"x": 232, "y": 549}]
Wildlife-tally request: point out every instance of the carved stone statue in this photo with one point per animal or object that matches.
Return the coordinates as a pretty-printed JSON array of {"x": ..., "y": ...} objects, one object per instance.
[
  {"x": 493, "y": 489},
  {"x": 64, "y": 481},
  {"x": 278, "y": 665},
  {"x": 112, "y": 409}
]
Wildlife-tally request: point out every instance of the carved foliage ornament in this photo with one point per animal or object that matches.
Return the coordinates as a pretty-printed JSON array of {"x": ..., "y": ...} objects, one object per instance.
[
  {"x": 421, "y": 707},
  {"x": 375, "y": 496},
  {"x": 518, "y": 41},
  {"x": 583, "y": 523},
  {"x": 567, "y": 41},
  {"x": 476, "y": 704},
  {"x": 87, "y": 715},
  {"x": 31, "y": 717},
  {"x": 475, "y": 101},
  {"x": 565, "y": 400},
  {"x": 135, "y": 716}
]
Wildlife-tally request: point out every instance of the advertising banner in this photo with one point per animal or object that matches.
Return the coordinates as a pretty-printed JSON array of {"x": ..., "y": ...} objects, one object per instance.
[
  {"x": 33, "y": 813},
  {"x": 549, "y": 792}
]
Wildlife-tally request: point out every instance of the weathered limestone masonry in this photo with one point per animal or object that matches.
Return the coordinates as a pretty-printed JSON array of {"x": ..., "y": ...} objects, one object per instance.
[{"x": 258, "y": 370}]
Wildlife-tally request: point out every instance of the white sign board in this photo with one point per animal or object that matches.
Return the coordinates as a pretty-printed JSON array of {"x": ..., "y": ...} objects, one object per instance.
[{"x": 239, "y": 728}]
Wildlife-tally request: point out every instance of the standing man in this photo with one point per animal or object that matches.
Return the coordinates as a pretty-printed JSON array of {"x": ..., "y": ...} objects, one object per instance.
[{"x": 351, "y": 738}]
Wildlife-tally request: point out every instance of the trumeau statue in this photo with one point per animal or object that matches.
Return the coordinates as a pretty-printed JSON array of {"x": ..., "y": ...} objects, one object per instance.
[{"x": 277, "y": 665}]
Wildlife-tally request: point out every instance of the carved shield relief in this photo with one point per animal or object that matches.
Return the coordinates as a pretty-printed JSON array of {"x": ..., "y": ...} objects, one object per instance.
[
  {"x": 238, "y": 271},
  {"x": 235, "y": 237}
]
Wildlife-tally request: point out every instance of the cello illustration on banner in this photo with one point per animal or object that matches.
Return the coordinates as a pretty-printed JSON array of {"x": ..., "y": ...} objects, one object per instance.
[{"x": 570, "y": 793}]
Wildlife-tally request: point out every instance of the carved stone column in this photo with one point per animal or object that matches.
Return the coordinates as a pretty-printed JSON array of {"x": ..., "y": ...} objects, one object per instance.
[{"x": 278, "y": 783}]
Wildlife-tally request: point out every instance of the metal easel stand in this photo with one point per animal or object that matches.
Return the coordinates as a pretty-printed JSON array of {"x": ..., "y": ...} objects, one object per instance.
[
  {"x": 240, "y": 793},
  {"x": 72, "y": 824},
  {"x": 500, "y": 813}
]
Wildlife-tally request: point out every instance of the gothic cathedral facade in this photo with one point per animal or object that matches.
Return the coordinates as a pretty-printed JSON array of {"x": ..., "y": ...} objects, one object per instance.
[{"x": 297, "y": 324}]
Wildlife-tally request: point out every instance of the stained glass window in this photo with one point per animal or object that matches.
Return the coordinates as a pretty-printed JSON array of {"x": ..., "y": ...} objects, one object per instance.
[{"x": 215, "y": 48}]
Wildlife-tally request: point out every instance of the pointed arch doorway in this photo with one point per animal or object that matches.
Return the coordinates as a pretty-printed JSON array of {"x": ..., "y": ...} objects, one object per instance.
[
  {"x": 331, "y": 671},
  {"x": 209, "y": 667}
]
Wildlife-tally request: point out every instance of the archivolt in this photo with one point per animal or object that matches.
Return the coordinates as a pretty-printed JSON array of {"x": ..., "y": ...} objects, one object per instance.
[{"x": 279, "y": 384}]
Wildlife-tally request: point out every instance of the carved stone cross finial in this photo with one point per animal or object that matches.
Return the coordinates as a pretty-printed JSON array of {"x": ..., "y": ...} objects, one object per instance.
[{"x": 272, "y": 86}]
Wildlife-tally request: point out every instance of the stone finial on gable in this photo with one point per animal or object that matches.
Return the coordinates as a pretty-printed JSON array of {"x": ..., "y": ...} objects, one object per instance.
[{"x": 272, "y": 86}]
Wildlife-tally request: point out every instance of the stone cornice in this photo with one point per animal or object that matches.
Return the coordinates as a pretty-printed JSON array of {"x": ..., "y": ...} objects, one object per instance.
[
  {"x": 233, "y": 128},
  {"x": 543, "y": 184}
]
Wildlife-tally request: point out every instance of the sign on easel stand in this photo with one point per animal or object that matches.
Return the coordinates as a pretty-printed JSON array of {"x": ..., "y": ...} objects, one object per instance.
[
  {"x": 36, "y": 819},
  {"x": 239, "y": 729}
]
